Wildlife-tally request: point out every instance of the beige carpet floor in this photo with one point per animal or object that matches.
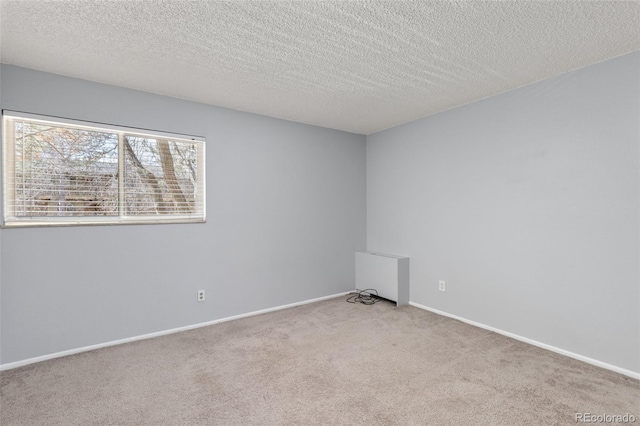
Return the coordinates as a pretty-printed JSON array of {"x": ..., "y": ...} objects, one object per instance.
[{"x": 327, "y": 363}]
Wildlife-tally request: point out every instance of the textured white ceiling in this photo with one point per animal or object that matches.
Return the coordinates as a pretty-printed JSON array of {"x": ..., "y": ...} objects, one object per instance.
[{"x": 349, "y": 65}]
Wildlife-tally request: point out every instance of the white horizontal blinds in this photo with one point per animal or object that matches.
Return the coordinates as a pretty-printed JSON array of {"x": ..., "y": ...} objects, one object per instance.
[
  {"x": 66, "y": 172},
  {"x": 161, "y": 177},
  {"x": 61, "y": 171}
]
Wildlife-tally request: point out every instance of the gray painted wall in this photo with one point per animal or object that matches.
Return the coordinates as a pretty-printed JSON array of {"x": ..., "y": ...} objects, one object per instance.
[
  {"x": 527, "y": 205},
  {"x": 285, "y": 213}
]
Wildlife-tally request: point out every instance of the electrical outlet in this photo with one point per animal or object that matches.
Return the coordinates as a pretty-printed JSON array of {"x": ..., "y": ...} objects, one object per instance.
[
  {"x": 200, "y": 295},
  {"x": 441, "y": 285}
]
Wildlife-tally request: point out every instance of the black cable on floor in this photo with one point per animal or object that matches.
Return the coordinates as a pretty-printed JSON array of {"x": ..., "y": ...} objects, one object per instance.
[{"x": 366, "y": 297}]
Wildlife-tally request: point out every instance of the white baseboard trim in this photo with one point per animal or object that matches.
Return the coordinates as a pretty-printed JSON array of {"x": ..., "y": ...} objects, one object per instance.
[
  {"x": 28, "y": 361},
  {"x": 573, "y": 355}
]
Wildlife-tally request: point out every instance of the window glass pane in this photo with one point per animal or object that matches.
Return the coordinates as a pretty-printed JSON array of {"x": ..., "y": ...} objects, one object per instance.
[
  {"x": 64, "y": 171},
  {"x": 59, "y": 171},
  {"x": 160, "y": 176}
]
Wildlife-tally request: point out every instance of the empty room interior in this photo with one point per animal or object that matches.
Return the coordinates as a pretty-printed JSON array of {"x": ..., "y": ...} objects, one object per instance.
[{"x": 193, "y": 192}]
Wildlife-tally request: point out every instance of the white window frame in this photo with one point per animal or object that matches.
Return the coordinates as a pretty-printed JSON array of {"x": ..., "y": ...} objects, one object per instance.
[{"x": 8, "y": 185}]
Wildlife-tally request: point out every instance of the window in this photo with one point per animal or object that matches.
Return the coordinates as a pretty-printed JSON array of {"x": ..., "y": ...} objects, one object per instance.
[{"x": 64, "y": 172}]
